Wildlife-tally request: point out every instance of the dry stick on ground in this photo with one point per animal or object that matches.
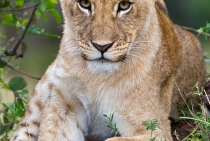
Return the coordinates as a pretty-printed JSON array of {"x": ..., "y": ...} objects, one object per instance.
[
  {"x": 182, "y": 95},
  {"x": 207, "y": 97},
  {"x": 13, "y": 50}
]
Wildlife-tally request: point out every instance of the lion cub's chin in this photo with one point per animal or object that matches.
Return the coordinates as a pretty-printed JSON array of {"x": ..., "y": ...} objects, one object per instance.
[{"x": 103, "y": 66}]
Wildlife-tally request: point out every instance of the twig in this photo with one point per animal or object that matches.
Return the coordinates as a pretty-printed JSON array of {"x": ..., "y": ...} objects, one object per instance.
[
  {"x": 207, "y": 74},
  {"x": 22, "y": 9},
  {"x": 4, "y": 83},
  {"x": 207, "y": 97},
  {"x": 12, "y": 67},
  {"x": 182, "y": 95},
  {"x": 13, "y": 50},
  {"x": 194, "y": 130},
  {"x": 2, "y": 110},
  {"x": 194, "y": 30}
]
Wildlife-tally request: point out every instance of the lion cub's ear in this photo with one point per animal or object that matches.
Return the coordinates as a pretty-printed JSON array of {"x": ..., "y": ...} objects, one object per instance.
[
  {"x": 161, "y": 5},
  {"x": 162, "y": 2}
]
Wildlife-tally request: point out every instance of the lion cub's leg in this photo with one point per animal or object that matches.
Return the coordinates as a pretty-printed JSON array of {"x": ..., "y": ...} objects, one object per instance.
[
  {"x": 155, "y": 105},
  {"x": 64, "y": 117},
  {"x": 28, "y": 127}
]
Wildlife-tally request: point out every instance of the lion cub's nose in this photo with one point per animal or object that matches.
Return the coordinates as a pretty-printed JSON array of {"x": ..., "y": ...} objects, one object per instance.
[{"x": 102, "y": 48}]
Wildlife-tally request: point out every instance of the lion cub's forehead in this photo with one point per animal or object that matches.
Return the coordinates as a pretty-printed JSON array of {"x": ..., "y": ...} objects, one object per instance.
[
  {"x": 112, "y": 1},
  {"x": 108, "y": 2},
  {"x": 105, "y": 1}
]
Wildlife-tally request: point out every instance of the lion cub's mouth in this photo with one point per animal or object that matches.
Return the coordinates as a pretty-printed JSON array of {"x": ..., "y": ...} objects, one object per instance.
[{"x": 105, "y": 60}]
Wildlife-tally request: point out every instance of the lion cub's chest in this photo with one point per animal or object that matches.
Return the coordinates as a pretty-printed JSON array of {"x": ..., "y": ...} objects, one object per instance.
[
  {"x": 97, "y": 124},
  {"x": 98, "y": 99},
  {"x": 96, "y": 105}
]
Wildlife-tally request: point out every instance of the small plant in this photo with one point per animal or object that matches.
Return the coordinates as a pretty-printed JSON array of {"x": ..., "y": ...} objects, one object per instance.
[
  {"x": 199, "y": 118},
  {"x": 205, "y": 30},
  {"x": 21, "y": 16},
  {"x": 151, "y": 125},
  {"x": 198, "y": 91},
  {"x": 112, "y": 125},
  {"x": 12, "y": 112},
  {"x": 176, "y": 135},
  {"x": 202, "y": 125}
]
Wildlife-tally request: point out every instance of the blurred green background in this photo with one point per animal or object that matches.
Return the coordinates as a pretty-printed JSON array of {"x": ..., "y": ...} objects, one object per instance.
[{"x": 42, "y": 50}]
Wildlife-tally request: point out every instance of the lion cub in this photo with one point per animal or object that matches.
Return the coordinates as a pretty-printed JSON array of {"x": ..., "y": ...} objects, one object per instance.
[{"x": 117, "y": 56}]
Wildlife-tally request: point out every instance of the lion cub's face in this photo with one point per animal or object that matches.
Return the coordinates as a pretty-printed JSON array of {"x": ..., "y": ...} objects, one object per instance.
[{"x": 106, "y": 29}]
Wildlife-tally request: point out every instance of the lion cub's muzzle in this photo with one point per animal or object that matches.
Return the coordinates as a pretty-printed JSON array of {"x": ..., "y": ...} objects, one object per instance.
[{"x": 104, "y": 52}]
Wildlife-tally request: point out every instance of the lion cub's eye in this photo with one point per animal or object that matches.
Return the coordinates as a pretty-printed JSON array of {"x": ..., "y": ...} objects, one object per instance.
[
  {"x": 124, "y": 5},
  {"x": 85, "y": 4}
]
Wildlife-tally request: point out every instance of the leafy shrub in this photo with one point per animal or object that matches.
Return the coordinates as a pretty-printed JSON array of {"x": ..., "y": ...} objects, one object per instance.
[{"x": 22, "y": 16}]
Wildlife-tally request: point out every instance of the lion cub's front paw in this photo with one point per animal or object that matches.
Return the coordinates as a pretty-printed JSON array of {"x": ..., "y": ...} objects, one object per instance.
[
  {"x": 22, "y": 137},
  {"x": 114, "y": 139},
  {"x": 123, "y": 139}
]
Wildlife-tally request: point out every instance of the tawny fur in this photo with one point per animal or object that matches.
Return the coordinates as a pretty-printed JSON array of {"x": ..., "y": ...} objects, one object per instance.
[{"x": 149, "y": 60}]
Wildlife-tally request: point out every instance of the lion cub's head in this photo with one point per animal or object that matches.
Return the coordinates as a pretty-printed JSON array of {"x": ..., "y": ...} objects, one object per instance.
[{"x": 106, "y": 30}]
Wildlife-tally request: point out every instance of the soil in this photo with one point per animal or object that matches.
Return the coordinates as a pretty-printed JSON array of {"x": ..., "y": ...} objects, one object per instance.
[{"x": 183, "y": 129}]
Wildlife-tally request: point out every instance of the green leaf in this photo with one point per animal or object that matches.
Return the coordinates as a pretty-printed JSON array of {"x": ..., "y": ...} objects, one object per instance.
[
  {"x": 14, "y": 18},
  {"x": 34, "y": 31},
  {"x": 43, "y": 16},
  {"x": 3, "y": 36},
  {"x": 3, "y": 128},
  {"x": 19, "y": 107},
  {"x": 17, "y": 83},
  {"x": 200, "y": 30},
  {"x": 19, "y": 3},
  {"x": 4, "y": 3},
  {"x": 18, "y": 25},
  {"x": 36, "y": 1},
  {"x": 44, "y": 5},
  {"x": 2, "y": 65},
  {"x": 105, "y": 115},
  {"x": 24, "y": 22},
  {"x": 9, "y": 23},
  {"x": 52, "y": 35},
  {"x": 9, "y": 108},
  {"x": 54, "y": 1},
  {"x": 9, "y": 20},
  {"x": 24, "y": 93},
  {"x": 50, "y": 5},
  {"x": 56, "y": 15},
  {"x": 8, "y": 17}
]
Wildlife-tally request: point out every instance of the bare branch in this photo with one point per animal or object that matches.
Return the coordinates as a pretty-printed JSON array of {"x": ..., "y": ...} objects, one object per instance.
[
  {"x": 13, "y": 50},
  {"x": 194, "y": 30},
  {"x": 12, "y": 67},
  {"x": 21, "y": 9},
  {"x": 2, "y": 110}
]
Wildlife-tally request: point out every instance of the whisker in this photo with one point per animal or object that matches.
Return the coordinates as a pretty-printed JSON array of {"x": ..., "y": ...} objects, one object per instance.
[
  {"x": 134, "y": 55},
  {"x": 139, "y": 47},
  {"x": 139, "y": 51},
  {"x": 136, "y": 42}
]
